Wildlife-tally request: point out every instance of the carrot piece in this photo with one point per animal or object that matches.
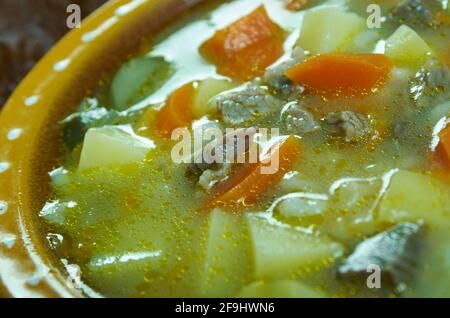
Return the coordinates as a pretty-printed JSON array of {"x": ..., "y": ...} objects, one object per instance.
[
  {"x": 342, "y": 74},
  {"x": 444, "y": 145},
  {"x": 245, "y": 48},
  {"x": 246, "y": 185},
  {"x": 177, "y": 112}
]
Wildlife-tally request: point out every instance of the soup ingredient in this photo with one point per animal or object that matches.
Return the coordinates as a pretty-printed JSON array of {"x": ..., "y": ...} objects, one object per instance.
[
  {"x": 247, "y": 184},
  {"x": 349, "y": 125},
  {"x": 407, "y": 48},
  {"x": 246, "y": 103},
  {"x": 338, "y": 74},
  {"x": 226, "y": 266},
  {"x": 206, "y": 90},
  {"x": 431, "y": 85},
  {"x": 414, "y": 196},
  {"x": 177, "y": 112},
  {"x": 281, "y": 250},
  {"x": 297, "y": 120},
  {"x": 137, "y": 79},
  {"x": 416, "y": 13},
  {"x": 444, "y": 137},
  {"x": 329, "y": 30},
  {"x": 122, "y": 273},
  {"x": 245, "y": 48},
  {"x": 279, "y": 289},
  {"x": 396, "y": 251},
  {"x": 90, "y": 114},
  {"x": 112, "y": 145},
  {"x": 275, "y": 78},
  {"x": 230, "y": 148}
]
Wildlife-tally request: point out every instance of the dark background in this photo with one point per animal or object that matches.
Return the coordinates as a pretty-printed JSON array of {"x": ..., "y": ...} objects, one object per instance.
[{"x": 28, "y": 29}]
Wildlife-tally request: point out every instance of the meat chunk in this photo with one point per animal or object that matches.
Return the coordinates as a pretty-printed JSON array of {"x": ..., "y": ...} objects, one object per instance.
[
  {"x": 207, "y": 169},
  {"x": 395, "y": 251},
  {"x": 296, "y": 120},
  {"x": 349, "y": 125},
  {"x": 209, "y": 178},
  {"x": 431, "y": 85},
  {"x": 414, "y": 13},
  {"x": 241, "y": 106},
  {"x": 275, "y": 78}
]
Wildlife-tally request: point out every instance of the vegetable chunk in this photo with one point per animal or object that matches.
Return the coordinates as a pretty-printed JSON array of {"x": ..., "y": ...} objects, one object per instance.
[
  {"x": 329, "y": 30},
  {"x": 205, "y": 92},
  {"x": 112, "y": 145},
  {"x": 280, "y": 250},
  {"x": 177, "y": 112},
  {"x": 247, "y": 184},
  {"x": 444, "y": 137},
  {"x": 244, "y": 49},
  {"x": 137, "y": 79},
  {"x": 226, "y": 266},
  {"x": 342, "y": 73},
  {"x": 407, "y": 48},
  {"x": 413, "y": 196}
]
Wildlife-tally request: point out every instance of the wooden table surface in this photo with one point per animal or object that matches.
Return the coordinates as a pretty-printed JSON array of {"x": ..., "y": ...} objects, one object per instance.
[{"x": 28, "y": 29}]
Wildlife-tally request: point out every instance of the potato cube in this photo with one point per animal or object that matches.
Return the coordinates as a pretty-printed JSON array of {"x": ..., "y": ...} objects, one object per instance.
[
  {"x": 413, "y": 196},
  {"x": 329, "y": 30},
  {"x": 112, "y": 145},
  {"x": 280, "y": 250},
  {"x": 407, "y": 48},
  {"x": 226, "y": 266},
  {"x": 205, "y": 91}
]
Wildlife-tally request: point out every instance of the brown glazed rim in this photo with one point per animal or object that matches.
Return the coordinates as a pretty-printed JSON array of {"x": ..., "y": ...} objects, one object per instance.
[{"x": 30, "y": 136}]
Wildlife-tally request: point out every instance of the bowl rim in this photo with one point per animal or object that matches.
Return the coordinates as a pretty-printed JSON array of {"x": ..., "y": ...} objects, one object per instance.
[{"x": 26, "y": 267}]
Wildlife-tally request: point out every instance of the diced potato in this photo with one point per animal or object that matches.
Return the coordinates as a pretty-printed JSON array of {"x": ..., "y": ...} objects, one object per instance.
[
  {"x": 206, "y": 90},
  {"x": 280, "y": 250},
  {"x": 407, "y": 48},
  {"x": 137, "y": 79},
  {"x": 413, "y": 196},
  {"x": 226, "y": 267},
  {"x": 279, "y": 289},
  {"x": 123, "y": 273},
  {"x": 112, "y": 145},
  {"x": 329, "y": 30}
]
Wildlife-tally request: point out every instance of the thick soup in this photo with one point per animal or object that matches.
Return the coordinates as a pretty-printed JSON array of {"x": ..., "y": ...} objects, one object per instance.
[{"x": 265, "y": 149}]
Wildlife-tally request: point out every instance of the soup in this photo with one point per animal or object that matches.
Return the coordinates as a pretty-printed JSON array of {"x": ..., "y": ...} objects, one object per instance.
[{"x": 265, "y": 149}]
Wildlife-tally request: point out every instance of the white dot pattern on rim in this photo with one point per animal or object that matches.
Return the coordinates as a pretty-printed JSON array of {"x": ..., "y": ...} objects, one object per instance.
[
  {"x": 15, "y": 133},
  {"x": 4, "y": 166},
  {"x": 32, "y": 100},
  {"x": 3, "y": 207}
]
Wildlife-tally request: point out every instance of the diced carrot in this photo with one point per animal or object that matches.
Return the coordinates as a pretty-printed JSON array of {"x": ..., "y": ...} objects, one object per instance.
[
  {"x": 177, "y": 112},
  {"x": 342, "y": 74},
  {"x": 443, "y": 148},
  {"x": 245, "y": 48},
  {"x": 442, "y": 175},
  {"x": 297, "y": 5},
  {"x": 246, "y": 185}
]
